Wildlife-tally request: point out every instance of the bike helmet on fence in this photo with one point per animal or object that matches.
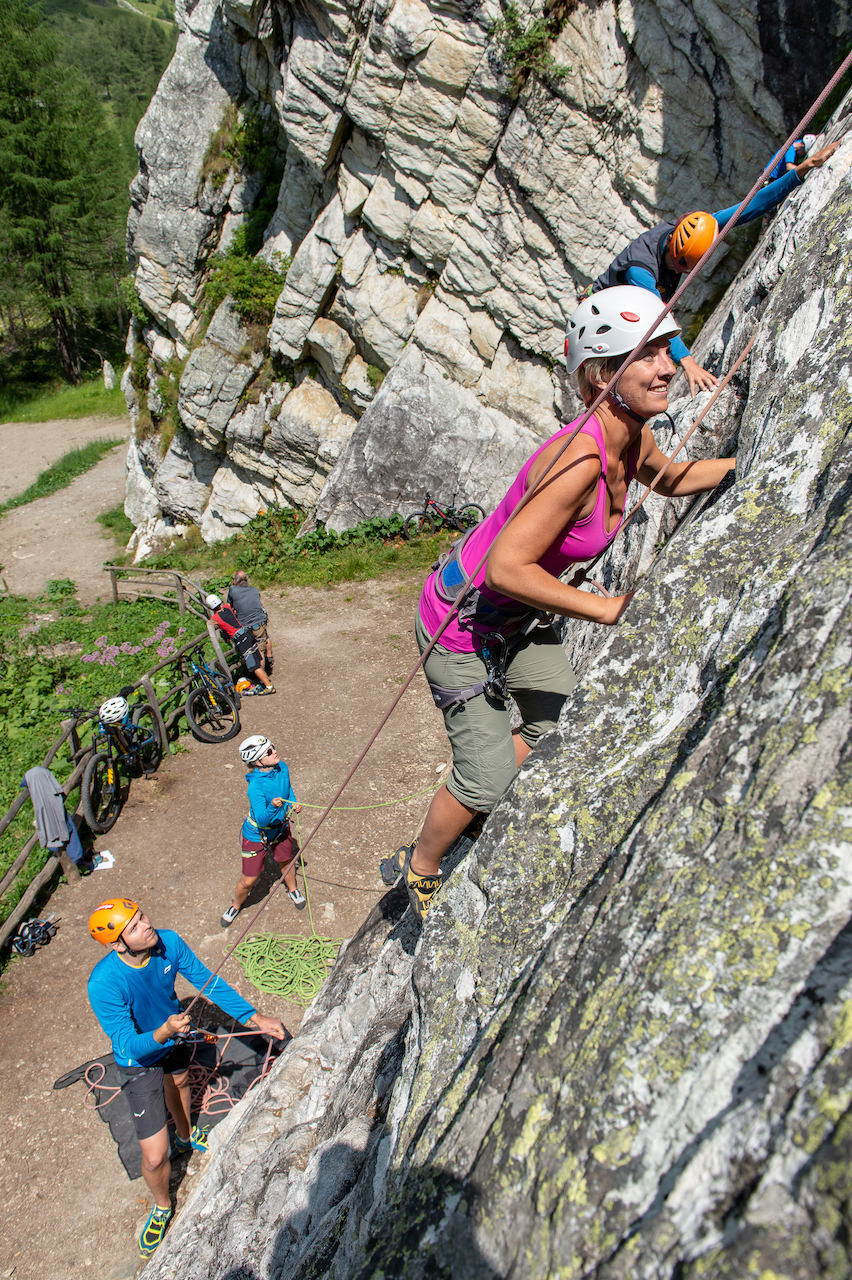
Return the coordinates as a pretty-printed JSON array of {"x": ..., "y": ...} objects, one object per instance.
[
  {"x": 213, "y": 601},
  {"x": 109, "y": 919},
  {"x": 692, "y": 237},
  {"x": 114, "y": 711},
  {"x": 612, "y": 322},
  {"x": 254, "y": 748}
]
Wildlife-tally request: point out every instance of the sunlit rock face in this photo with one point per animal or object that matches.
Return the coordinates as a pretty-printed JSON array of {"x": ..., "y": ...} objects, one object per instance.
[
  {"x": 621, "y": 1045},
  {"x": 440, "y": 213}
]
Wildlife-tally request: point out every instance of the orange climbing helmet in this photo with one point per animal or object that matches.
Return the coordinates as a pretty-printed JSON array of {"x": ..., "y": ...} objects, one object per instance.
[
  {"x": 692, "y": 237},
  {"x": 109, "y": 919}
]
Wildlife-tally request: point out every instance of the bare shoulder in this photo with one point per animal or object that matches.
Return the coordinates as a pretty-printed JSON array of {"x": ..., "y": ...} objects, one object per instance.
[{"x": 578, "y": 461}]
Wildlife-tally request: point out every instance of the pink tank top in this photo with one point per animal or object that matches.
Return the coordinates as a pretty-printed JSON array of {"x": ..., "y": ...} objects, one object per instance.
[{"x": 583, "y": 540}]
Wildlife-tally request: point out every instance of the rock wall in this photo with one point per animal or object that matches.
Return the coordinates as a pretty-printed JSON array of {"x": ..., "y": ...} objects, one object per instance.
[
  {"x": 622, "y": 1044},
  {"x": 440, "y": 226}
]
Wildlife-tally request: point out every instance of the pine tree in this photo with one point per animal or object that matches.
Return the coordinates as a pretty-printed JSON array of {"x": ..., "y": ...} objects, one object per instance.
[{"x": 61, "y": 198}]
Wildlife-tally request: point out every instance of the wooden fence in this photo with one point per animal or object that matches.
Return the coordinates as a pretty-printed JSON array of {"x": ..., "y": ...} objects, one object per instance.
[
  {"x": 80, "y": 754},
  {"x": 132, "y": 582}
]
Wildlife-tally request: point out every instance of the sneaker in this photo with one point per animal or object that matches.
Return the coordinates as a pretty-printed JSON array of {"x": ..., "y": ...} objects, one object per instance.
[
  {"x": 265, "y": 689},
  {"x": 298, "y": 899},
  {"x": 421, "y": 889},
  {"x": 154, "y": 1230},
  {"x": 390, "y": 869},
  {"x": 229, "y": 917},
  {"x": 198, "y": 1137},
  {"x": 180, "y": 1146}
]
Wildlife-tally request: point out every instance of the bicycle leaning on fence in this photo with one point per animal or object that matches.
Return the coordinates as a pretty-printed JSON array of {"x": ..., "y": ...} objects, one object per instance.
[
  {"x": 436, "y": 515},
  {"x": 212, "y": 703},
  {"x": 125, "y": 742}
]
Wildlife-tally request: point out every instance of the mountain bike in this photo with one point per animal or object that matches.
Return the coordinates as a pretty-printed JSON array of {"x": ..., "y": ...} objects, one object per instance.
[
  {"x": 436, "y": 515},
  {"x": 132, "y": 748},
  {"x": 212, "y": 701}
]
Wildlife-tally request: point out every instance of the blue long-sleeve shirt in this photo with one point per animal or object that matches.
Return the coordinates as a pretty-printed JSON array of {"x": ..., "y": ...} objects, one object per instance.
[
  {"x": 642, "y": 262},
  {"x": 130, "y": 1003},
  {"x": 264, "y": 786}
]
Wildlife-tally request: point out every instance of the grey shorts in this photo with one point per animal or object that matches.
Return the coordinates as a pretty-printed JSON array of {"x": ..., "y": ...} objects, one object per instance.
[
  {"x": 539, "y": 678},
  {"x": 143, "y": 1089}
]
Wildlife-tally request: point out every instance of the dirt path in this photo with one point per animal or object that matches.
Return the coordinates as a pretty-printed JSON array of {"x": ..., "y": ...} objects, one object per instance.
[
  {"x": 28, "y": 448},
  {"x": 70, "y": 1211},
  {"x": 58, "y": 536}
]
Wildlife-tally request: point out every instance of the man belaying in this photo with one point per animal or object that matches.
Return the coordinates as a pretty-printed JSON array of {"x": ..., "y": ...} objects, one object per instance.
[
  {"x": 498, "y": 644},
  {"x": 132, "y": 993},
  {"x": 271, "y": 801},
  {"x": 656, "y": 259}
]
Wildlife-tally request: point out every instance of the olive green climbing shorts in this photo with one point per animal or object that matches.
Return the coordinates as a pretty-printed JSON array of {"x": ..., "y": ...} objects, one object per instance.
[{"x": 539, "y": 678}]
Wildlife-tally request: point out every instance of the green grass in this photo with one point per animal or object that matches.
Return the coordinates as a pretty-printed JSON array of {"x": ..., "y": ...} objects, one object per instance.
[
  {"x": 62, "y": 472},
  {"x": 116, "y": 522},
  {"x": 56, "y": 654},
  {"x": 91, "y": 399}
]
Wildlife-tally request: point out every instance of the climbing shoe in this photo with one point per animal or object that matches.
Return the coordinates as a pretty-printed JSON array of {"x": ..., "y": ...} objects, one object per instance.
[
  {"x": 421, "y": 889},
  {"x": 198, "y": 1137},
  {"x": 390, "y": 869},
  {"x": 229, "y": 917},
  {"x": 154, "y": 1230},
  {"x": 298, "y": 899},
  {"x": 181, "y": 1146}
]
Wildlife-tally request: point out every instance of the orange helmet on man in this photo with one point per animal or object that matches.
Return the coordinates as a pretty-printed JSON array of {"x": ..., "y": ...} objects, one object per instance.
[
  {"x": 692, "y": 237},
  {"x": 107, "y": 921}
]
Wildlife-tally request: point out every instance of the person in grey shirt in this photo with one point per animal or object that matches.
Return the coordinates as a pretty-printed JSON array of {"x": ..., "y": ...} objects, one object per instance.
[{"x": 245, "y": 601}]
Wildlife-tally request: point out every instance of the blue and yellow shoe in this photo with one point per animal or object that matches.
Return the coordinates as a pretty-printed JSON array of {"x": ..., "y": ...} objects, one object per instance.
[
  {"x": 390, "y": 869},
  {"x": 199, "y": 1136},
  {"x": 421, "y": 889},
  {"x": 154, "y": 1230}
]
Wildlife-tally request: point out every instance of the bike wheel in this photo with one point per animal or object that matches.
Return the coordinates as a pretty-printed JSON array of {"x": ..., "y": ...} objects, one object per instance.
[
  {"x": 470, "y": 515},
  {"x": 100, "y": 793},
  {"x": 421, "y": 522},
  {"x": 211, "y": 715},
  {"x": 149, "y": 745}
]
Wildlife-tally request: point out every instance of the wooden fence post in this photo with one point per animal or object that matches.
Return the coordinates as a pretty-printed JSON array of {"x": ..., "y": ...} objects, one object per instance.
[
  {"x": 180, "y": 595},
  {"x": 219, "y": 651},
  {"x": 114, "y": 584}
]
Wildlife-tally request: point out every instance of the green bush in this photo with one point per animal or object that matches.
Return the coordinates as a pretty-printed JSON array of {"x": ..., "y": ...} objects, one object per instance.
[
  {"x": 252, "y": 284},
  {"x": 526, "y": 50}
]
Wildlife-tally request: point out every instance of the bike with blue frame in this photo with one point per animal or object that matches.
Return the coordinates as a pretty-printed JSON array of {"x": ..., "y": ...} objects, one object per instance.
[{"x": 126, "y": 743}]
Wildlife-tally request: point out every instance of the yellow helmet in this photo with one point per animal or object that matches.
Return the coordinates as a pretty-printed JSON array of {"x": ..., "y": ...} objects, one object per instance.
[{"x": 109, "y": 919}]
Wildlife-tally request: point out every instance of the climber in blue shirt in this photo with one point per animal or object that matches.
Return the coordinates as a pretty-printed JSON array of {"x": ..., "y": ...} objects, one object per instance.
[
  {"x": 132, "y": 992},
  {"x": 656, "y": 259}
]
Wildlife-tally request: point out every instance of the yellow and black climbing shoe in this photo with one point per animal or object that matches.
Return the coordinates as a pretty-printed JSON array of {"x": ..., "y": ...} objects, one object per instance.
[
  {"x": 154, "y": 1230},
  {"x": 421, "y": 889},
  {"x": 390, "y": 869}
]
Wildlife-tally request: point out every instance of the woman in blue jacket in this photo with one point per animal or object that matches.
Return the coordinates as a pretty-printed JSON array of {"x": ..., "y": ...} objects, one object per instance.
[{"x": 271, "y": 801}]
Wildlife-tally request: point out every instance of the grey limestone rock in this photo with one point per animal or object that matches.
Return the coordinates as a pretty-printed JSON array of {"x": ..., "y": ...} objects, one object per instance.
[{"x": 621, "y": 1044}]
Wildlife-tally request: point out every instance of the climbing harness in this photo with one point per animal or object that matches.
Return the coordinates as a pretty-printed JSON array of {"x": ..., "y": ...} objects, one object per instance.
[{"x": 602, "y": 394}]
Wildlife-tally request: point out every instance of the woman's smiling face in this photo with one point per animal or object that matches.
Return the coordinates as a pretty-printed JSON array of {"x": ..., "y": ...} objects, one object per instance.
[{"x": 644, "y": 385}]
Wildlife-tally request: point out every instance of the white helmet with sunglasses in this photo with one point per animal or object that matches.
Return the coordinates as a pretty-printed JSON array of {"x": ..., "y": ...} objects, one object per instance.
[{"x": 253, "y": 749}]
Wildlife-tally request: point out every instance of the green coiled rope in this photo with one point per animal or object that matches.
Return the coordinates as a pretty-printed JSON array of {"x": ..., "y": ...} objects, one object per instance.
[{"x": 286, "y": 965}]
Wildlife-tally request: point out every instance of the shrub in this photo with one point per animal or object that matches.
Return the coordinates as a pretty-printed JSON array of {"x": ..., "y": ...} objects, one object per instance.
[
  {"x": 253, "y": 285},
  {"x": 526, "y": 50}
]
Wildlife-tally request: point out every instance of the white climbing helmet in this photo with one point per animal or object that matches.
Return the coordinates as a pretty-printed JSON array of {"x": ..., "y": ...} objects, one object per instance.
[
  {"x": 212, "y": 601},
  {"x": 114, "y": 711},
  {"x": 611, "y": 323},
  {"x": 254, "y": 748}
]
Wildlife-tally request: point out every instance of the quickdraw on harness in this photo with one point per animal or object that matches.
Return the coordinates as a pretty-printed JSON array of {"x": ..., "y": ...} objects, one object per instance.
[{"x": 500, "y": 629}]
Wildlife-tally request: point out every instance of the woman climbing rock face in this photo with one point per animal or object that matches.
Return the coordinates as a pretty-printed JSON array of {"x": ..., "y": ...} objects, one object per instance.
[{"x": 497, "y": 644}]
